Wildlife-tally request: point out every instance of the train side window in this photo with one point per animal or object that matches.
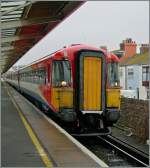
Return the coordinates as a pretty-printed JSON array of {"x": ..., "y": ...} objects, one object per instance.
[
  {"x": 43, "y": 76},
  {"x": 25, "y": 76},
  {"x": 34, "y": 76}
]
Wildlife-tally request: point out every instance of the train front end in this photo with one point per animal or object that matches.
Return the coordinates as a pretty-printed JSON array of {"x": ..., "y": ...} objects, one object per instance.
[
  {"x": 90, "y": 91},
  {"x": 112, "y": 90},
  {"x": 97, "y": 105},
  {"x": 80, "y": 91}
]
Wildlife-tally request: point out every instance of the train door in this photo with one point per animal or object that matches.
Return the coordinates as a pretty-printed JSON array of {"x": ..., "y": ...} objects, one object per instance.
[{"x": 90, "y": 89}]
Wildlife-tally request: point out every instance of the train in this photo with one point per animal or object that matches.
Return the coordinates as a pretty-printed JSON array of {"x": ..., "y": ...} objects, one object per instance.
[{"x": 78, "y": 84}]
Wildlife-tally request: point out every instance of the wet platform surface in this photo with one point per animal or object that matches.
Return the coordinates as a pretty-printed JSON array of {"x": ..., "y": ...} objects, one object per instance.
[
  {"x": 17, "y": 149},
  {"x": 61, "y": 151}
]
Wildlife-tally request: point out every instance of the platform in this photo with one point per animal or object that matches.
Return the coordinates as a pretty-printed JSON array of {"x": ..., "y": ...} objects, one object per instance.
[
  {"x": 61, "y": 149},
  {"x": 16, "y": 145}
]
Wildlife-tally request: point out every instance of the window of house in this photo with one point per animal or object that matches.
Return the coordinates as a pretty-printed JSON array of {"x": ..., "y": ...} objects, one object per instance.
[
  {"x": 121, "y": 72},
  {"x": 145, "y": 73},
  {"x": 130, "y": 73},
  {"x": 147, "y": 94}
]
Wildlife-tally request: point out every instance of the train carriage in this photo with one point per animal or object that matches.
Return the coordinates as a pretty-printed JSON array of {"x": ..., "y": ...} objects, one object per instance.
[{"x": 79, "y": 84}]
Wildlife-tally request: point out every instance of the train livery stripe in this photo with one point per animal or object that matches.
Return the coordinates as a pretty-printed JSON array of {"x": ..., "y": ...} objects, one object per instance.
[
  {"x": 92, "y": 83},
  {"x": 32, "y": 135}
]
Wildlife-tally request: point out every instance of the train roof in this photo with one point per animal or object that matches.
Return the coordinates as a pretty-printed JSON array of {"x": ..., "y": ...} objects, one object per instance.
[{"x": 72, "y": 49}]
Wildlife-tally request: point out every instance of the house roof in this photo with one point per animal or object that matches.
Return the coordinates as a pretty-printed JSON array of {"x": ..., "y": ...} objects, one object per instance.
[{"x": 138, "y": 59}]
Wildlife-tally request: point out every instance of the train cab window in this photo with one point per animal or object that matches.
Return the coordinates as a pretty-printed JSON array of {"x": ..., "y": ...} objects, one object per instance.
[
  {"x": 113, "y": 74},
  {"x": 61, "y": 72}
]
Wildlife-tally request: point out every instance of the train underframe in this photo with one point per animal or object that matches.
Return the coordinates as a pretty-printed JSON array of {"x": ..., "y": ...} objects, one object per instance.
[{"x": 89, "y": 123}]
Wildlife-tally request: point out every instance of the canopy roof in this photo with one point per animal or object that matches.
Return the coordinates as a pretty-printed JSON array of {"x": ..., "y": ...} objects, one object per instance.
[{"x": 24, "y": 23}]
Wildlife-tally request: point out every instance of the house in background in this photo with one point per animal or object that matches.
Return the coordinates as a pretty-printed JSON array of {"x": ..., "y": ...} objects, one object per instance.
[
  {"x": 134, "y": 69},
  {"x": 134, "y": 76}
]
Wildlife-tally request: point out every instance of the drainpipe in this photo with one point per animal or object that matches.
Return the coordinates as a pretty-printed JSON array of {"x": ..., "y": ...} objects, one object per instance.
[{"x": 125, "y": 77}]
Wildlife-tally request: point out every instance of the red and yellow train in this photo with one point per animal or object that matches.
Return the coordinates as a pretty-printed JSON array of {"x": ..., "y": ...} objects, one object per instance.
[{"x": 79, "y": 84}]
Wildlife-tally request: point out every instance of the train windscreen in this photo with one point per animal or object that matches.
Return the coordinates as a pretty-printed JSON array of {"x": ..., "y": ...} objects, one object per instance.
[
  {"x": 61, "y": 72},
  {"x": 113, "y": 74}
]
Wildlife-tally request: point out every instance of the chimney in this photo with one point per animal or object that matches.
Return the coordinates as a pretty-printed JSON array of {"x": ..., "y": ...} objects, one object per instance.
[
  {"x": 144, "y": 48},
  {"x": 129, "y": 47}
]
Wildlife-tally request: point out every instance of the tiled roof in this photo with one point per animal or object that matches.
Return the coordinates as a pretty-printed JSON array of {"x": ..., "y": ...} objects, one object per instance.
[{"x": 138, "y": 59}]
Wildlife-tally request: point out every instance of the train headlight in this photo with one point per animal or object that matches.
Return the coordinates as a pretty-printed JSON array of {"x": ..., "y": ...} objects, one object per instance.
[
  {"x": 116, "y": 83},
  {"x": 63, "y": 83}
]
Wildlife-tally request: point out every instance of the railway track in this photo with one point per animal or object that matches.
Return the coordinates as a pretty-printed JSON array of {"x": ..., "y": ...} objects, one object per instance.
[
  {"x": 115, "y": 152},
  {"x": 137, "y": 156}
]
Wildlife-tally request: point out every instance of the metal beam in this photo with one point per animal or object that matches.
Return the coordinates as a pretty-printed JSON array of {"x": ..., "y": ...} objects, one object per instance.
[
  {"x": 5, "y": 51},
  {"x": 7, "y": 48},
  {"x": 20, "y": 23},
  {"x": 15, "y": 38},
  {"x": 16, "y": 8},
  {"x": 4, "y": 55}
]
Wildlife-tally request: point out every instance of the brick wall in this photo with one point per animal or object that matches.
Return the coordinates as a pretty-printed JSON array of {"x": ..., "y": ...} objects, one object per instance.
[{"x": 135, "y": 116}]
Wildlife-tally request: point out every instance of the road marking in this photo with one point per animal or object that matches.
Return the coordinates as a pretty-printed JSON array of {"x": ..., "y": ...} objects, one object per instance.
[{"x": 32, "y": 135}]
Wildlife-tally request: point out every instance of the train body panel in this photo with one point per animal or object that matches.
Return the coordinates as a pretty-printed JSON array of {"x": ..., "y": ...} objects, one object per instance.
[
  {"x": 62, "y": 98},
  {"x": 113, "y": 98}
]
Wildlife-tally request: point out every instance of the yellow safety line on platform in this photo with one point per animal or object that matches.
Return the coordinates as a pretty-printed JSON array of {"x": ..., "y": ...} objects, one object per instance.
[{"x": 32, "y": 135}]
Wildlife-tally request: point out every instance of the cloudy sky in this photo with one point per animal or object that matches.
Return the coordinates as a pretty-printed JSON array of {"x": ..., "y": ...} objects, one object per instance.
[{"x": 96, "y": 23}]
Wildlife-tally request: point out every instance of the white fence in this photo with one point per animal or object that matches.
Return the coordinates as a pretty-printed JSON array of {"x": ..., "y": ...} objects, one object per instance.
[{"x": 129, "y": 93}]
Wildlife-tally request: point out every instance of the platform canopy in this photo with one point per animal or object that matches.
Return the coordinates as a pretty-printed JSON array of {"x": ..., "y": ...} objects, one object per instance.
[{"x": 24, "y": 23}]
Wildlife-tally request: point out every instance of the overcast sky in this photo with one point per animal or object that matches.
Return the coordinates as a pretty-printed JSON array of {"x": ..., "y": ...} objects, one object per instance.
[{"x": 96, "y": 23}]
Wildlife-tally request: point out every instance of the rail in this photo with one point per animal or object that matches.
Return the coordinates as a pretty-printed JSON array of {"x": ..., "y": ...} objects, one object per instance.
[{"x": 141, "y": 158}]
